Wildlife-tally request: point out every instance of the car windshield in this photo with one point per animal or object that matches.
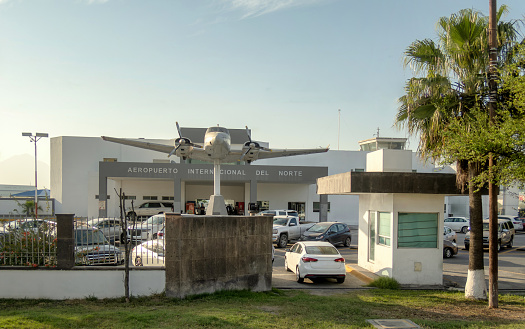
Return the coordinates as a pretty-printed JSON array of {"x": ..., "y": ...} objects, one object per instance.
[
  {"x": 280, "y": 221},
  {"x": 153, "y": 220},
  {"x": 321, "y": 250},
  {"x": 89, "y": 237},
  {"x": 486, "y": 227},
  {"x": 318, "y": 228}
]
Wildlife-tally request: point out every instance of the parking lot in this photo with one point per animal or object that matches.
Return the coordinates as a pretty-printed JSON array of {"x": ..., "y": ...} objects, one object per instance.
[{"x": 511, "y": 270}]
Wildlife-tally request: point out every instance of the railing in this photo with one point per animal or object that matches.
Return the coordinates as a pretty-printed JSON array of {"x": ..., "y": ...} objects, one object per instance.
[
  {"x": 101, "y": 241},
  {"x": 28, "y": 242}
]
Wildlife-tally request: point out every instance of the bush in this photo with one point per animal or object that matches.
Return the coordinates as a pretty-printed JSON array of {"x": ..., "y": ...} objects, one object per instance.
[
  {"x": 28, "y": 248},
  {"x": 385, "y": 282}
]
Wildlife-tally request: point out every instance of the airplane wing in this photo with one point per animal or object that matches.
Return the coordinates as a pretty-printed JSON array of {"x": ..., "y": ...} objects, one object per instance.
[
  {"x": 145, "y": 145},
  {"x": 195, "y": 153},
  {"x": 275, "y": 153}
]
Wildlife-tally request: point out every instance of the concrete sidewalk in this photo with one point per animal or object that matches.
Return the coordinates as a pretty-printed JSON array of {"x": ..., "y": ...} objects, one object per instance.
[{"x": 361, "y": 273}]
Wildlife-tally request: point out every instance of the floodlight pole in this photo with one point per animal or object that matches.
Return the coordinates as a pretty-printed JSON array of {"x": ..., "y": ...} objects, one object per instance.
[{"x": 35, "y": 139}]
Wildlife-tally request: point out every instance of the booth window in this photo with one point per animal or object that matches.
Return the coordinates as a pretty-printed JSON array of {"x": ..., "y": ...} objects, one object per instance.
[
  {"x": 149, "y": 197},
  {"x": 384, "y": 219},
  {"x": 130, "y": 197},
  {"x": 417, "y": 230},
  {"x": 168, "y": 198}
]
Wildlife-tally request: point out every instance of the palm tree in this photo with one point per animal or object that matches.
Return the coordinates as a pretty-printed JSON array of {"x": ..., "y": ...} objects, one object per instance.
[
  {"x": 28, "y": 208},
  {"x": 451, "y": 82}
]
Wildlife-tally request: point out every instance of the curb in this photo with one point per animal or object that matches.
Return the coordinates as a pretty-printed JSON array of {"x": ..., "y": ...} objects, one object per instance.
[{"x": 367, "y": 278}]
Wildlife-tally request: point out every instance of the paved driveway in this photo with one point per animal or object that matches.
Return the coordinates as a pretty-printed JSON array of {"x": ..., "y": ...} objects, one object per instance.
[{"x": 511, "y": 271}]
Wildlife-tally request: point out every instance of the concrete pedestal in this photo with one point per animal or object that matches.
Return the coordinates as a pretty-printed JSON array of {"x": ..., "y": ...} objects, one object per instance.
[{"x": 216, "y": 206}]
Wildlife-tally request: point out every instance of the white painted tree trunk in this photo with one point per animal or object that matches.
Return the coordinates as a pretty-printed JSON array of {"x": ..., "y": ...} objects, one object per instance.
[{"x": 476, "y": 287}]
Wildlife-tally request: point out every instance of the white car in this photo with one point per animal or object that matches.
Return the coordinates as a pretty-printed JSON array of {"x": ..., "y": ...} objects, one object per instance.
[
  {"x": 458, "y": 224},
  {"x": 315, "y": 260},
  {"x": 516, "y": 221},
  {"x": 150, "y": 208},
  {"x": 149, "y": 253},
  {"x": 449, "y": 234},
  {"x": 147, "y": 230}
]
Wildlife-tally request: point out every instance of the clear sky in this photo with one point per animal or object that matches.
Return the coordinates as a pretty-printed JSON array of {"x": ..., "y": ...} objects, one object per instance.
[{"x": 131, "y": 68}]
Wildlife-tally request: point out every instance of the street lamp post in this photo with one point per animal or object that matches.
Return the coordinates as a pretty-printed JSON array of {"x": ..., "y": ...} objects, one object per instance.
[{"x": 35, "y": 139}]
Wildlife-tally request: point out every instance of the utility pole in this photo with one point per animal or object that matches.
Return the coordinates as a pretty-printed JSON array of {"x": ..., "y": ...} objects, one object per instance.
[
  {"x": 493, "y": 210},
  {"x": 339, "y": 129}
]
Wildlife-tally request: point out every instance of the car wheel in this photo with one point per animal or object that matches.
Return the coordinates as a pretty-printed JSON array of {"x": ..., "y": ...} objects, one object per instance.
[
  {"x": 138, "y": 261},
  {"x": 464, "y": 229},
  {"x": 467, "y": 246},
  {"x": 340, "y": 280},
  {"x": 347, "y": 242},
  {"x": 447, "y": 253},
  {"x": 510, "y": 243},
  {"x": 154, "y": 236},
  {"x": 499, "y": 246},
  {"x": 283, "y": 241},
  {"x": 286, "y": 265},
  {"x": 298, "y": 275}
]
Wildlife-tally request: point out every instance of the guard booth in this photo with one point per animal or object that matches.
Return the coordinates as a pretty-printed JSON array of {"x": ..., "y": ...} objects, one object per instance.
[{"x": 400, "y": 215}]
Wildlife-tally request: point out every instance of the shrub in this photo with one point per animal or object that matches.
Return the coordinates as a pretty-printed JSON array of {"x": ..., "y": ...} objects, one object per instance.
[{"x": 385, "y": 282}]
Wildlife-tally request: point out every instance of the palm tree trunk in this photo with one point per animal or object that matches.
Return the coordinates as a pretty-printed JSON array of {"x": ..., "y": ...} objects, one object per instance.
[{"x": 476, "y": 287}]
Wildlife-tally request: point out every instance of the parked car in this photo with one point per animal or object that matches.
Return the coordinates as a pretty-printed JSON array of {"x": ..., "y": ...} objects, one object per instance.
[
  {"x": 150, "y": 208},
  {"x": 278, "y": 213},
  {"x": 449, "y": 249},
  {"x": 516, "y": 221},
  {"x": 314, "y": 260},
  {"x": 147, "y": 230},
  {"x": 458, "y": 224},
  {"x": 92, "y": 248},
  {"x": 333, "y": 232},
  {"x": 149, "y": 253},
  {"x": 110, "y": 227},
  {"x": 506, "y": 234},
  {"x": 160, "y": 233},
  {"x": 287, "y": 228},
  {"x": 522, "y": 222},
  {"x": 449, "y": 234},
  {"x": 31, "y": 225}
]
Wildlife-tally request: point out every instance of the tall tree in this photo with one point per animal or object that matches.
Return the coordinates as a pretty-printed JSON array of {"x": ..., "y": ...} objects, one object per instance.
[{"x": 450, "y": 82}]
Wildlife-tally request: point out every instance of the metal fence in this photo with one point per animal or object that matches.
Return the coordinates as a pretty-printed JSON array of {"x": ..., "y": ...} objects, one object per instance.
[
  {"x": 28, "y": 242},
  {"x": 99, "y": 241}
]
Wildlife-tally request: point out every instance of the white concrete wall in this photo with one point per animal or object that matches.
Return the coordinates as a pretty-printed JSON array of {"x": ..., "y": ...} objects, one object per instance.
[
  {"x": 74, "y": 284},
  {"x": 389, "y": 161},
  {"x": 400, "y": 263},
  {"x": 383, "y": 260},
  {"x": 407, "y": 260}
]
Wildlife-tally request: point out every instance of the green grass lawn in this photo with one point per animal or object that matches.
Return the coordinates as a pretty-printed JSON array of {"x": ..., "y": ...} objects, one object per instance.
[{"x": 274, "y": 309}]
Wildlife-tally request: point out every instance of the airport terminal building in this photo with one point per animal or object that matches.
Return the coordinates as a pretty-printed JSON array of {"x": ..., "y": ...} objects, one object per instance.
[{"x": 87, "y": 173}]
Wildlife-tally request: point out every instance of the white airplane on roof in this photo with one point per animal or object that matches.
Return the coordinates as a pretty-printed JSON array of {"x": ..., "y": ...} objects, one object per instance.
[{"x": 217, "y": 148}]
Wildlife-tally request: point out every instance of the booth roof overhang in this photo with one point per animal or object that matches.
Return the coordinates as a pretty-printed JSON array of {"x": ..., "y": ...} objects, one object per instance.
[{"x": 354, "y": 183}]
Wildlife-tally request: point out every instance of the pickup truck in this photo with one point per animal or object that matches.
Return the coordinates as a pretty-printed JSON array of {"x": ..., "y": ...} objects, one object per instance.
[{"x": 287, "y": 228}]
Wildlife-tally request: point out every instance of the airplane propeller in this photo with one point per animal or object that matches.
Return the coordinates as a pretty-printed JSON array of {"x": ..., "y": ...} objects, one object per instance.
[
  {"x": 182, "y": 141},
  {"x": 250, "y": 145}
]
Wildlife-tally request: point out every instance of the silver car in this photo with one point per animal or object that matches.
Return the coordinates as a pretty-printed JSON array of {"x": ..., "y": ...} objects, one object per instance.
[
  {"x": 110, "y": 227},
  {"x": 506, "y": 234}
]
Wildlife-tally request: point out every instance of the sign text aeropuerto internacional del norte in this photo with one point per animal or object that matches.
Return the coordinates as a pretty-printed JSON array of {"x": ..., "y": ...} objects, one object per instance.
[{"x": 204, "y": 172}]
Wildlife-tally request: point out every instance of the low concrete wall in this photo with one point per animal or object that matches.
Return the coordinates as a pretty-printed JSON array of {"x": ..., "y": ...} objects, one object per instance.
[
  {"x": 79, "y": 283},
  {"x": 205, "y": 254}
]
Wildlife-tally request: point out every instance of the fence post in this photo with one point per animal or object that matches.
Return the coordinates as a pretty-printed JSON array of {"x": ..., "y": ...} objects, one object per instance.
[{"x": 65, "y": 242}]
